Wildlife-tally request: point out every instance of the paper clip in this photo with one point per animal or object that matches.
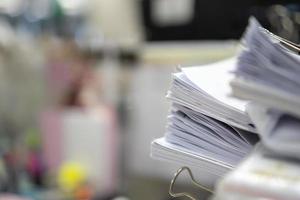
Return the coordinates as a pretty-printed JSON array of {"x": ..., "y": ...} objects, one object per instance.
[{"x": 185, "y": 194}]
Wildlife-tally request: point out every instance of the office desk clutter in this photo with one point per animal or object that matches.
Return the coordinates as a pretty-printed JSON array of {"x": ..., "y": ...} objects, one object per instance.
[
  {"x": 220, "y": 111},
  {"x": 90, "y": 89}
]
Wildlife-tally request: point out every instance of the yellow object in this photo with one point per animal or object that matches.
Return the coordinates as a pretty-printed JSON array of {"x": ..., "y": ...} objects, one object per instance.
[{"x": 71, "y": 176}]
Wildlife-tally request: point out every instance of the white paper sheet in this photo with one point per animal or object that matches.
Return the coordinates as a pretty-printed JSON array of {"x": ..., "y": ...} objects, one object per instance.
[{"x": 214, "y": 80}]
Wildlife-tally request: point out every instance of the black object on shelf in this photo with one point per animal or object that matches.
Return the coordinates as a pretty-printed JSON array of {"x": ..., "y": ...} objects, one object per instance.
[{"x": 214, "y": 19}]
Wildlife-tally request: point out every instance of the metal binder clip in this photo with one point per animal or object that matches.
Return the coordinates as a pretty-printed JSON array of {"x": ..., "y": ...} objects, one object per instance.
[
  {"x": 185, "y": 194},
  {"x": 286, "y": 42}
]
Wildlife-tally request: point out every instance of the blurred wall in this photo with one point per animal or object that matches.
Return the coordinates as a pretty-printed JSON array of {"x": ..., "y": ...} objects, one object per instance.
[{"x": 118, "y": 19}]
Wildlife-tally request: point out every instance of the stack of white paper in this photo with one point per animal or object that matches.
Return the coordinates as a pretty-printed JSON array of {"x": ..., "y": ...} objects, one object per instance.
[
  {"x": 166, "y": 151},
  {"x": 267, "y": 72},
  {"x": 206, "y": 89},
  {"x": 206, "y": 128}
]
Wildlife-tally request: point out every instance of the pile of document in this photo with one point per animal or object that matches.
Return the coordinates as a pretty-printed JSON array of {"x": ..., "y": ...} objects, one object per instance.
[
  {"x": 206, "y": 127},
  {"x": 210, "y": 129},
  {"x": 267, "y": 74}
]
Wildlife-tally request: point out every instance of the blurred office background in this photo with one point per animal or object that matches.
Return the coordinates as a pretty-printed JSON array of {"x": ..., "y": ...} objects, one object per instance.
[{"x": 83, "y": 83}]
